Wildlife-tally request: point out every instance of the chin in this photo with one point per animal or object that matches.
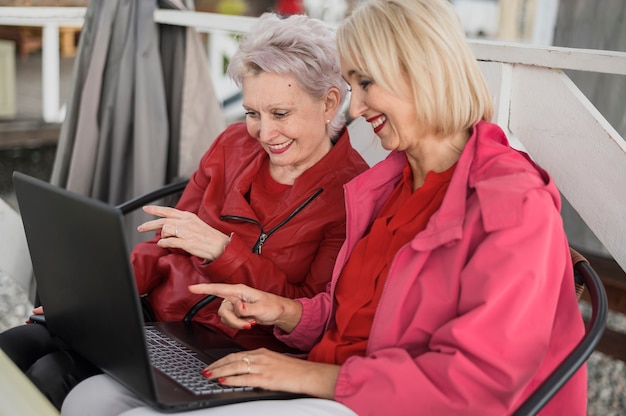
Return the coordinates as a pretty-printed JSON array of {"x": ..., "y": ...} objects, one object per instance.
[
  {"x": 386, "y": 145},
  {"x": 280, "y": 160}
]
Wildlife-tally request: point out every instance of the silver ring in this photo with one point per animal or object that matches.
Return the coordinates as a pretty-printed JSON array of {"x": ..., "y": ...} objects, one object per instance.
[
  {"x": 226, "y": 301},
  {"x": 176, "y": 232},
  {"x": 247, "y": 361}
]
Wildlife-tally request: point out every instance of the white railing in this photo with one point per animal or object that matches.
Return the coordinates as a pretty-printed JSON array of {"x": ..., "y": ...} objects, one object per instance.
[
  {"x": 538, "y": 105},
  {"x": 220, "y": 44},
  {"x": 50, "y": 19},
  {"x": 562, "y": 130},
  {"x": 219, "y": 27}
]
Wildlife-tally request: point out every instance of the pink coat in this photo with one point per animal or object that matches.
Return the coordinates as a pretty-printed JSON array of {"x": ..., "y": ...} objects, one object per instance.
[{"x": 478, "y": 308}]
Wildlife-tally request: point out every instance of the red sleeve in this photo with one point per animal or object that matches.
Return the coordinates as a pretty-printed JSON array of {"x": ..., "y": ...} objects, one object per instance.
[
  {"x": 145, "y": 255},
  {"x": 239, "y": 265}
]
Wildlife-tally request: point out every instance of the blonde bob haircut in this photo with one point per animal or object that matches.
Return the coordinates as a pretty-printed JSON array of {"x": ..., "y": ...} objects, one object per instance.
[{"x": 421, "y": 42}]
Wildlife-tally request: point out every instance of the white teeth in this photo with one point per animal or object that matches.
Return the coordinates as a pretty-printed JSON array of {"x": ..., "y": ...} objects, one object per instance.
[
  {"x": 282, "y": 145},
  {"x": 380, "y": 120}
]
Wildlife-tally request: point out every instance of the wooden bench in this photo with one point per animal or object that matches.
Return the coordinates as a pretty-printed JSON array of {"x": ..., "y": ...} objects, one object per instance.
[
  {"x": 28, "y": 39},
  {"x": 68, "y": 39}
]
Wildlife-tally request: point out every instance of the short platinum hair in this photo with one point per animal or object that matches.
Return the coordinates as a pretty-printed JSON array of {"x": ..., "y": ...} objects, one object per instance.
[{"x": 298, "y": 45}]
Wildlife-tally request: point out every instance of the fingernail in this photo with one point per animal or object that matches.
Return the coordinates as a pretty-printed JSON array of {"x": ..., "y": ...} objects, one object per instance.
[
  {"x": 247, "y": 326},
  {"x": 221, "y": 380},
  {"x": 243, "y": 305},
  {"x": 206, "y": 372}
]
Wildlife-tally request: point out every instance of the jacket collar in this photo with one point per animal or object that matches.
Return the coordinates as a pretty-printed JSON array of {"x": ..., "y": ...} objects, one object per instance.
[
  {"x": 486, "y": 158},
  {"x": 317, "y": 176}
]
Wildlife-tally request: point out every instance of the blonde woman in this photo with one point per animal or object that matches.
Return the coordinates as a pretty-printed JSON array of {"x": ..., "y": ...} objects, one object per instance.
[{"x": 453, "y": 293}]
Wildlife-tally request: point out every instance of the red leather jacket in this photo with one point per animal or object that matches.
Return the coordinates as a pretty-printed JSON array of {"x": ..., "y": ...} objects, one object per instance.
[{"x": 299, "y": 245}]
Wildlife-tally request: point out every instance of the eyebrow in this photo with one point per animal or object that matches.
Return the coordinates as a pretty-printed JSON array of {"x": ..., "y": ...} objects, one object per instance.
[
  {"x": 273, "y": 106},
  {"x": 351, "y": 73}
]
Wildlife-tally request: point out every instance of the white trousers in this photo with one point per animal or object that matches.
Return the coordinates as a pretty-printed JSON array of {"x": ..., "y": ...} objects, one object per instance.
[{"x": 102, "y": 396}]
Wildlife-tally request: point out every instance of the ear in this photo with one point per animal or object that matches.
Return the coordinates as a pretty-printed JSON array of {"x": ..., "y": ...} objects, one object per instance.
[{"x": 331, "y": 102}]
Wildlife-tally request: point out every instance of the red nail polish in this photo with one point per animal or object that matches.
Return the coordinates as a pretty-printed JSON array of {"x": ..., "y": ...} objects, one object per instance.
[
  {"x": 247, "y": 326},
  {"x": 221, "y": 380},
  {"x": 243, "y": 305},
  {"x": 206, "y": 373}
]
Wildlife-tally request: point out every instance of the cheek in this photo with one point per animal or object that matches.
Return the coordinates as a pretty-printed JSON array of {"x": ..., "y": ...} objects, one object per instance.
[
  {"x": 309, "y": 134},
  {"x": 294, "y": 128},
  {"x": 253, "y": 128}
]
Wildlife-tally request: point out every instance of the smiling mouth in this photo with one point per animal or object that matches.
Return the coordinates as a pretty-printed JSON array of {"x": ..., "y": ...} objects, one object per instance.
[
  {"x": 280, "y": 147},
  {"x": 377, "y": 122}
]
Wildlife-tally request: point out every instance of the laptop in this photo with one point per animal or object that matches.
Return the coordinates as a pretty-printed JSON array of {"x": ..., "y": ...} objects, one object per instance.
[{"x": 85, "y": 283}]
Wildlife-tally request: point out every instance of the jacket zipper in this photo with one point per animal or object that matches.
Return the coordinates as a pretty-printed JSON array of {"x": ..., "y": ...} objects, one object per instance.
[{"x": 264, "y": 236}]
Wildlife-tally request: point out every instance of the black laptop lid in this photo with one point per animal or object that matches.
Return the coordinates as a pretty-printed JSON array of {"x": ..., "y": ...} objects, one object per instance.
[
  {"x": 76, "y": 245},
  {"x": 87, "y": 288}
]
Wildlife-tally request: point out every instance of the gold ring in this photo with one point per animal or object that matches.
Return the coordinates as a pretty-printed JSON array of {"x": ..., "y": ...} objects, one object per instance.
[{"x": 247, "y": 361}]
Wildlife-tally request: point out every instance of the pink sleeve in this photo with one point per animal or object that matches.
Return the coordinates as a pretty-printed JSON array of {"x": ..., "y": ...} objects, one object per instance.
[{"x": 516, "y": 302}]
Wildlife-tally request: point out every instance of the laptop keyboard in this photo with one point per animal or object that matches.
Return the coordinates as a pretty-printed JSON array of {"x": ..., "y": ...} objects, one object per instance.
[{"x": 182, "y": 364}]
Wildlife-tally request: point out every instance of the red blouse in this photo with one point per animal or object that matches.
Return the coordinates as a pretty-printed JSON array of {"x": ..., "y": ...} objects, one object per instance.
[
  {"x": 361, "y": 282},
  {"x": 272, "y": 194}
]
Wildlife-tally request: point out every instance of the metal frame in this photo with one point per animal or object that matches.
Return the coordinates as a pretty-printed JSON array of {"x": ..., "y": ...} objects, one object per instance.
[{"x": 599, "y": 312}]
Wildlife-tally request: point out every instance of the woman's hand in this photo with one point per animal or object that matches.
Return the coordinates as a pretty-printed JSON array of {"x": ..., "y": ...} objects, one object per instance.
[
  {"x": 244, "y": 306},
  {"x": 36, "y": 311},
  {"x": 185, "y": 231},
  {"x": 275, "y": 371}
]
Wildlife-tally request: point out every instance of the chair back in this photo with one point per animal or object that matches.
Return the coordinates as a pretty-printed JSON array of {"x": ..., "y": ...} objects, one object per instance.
[{"x": 585, "y": 277}]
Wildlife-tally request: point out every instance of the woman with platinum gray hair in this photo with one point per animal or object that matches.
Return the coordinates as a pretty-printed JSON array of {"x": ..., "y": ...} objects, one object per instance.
[{"x": 264, "y": 208}]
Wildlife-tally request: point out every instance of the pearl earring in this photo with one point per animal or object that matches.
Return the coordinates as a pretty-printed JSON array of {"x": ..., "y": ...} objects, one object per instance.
[{"x": 327, "y": 121}]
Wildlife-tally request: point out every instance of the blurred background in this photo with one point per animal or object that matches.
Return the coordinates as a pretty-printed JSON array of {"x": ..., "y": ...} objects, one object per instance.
[{"x": 28, "y": 142}]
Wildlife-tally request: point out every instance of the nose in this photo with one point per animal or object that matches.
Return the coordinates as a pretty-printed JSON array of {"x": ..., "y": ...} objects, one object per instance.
[
  {"x": 357, "y": 105},
  {"x": 265, "y": 129}
]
